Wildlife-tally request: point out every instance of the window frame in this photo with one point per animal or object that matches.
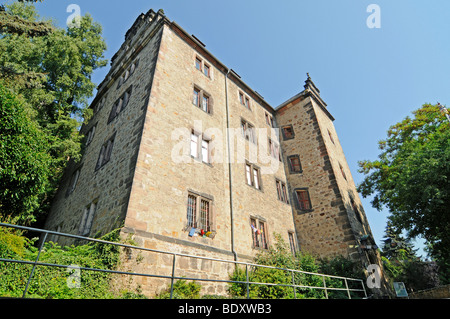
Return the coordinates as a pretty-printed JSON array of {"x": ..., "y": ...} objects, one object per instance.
[
  {"x": 248, "y": 131},
  {"x": 291, "y": 166},
  {"x": 194, "y": 212},
  {"x": 269, "y": 119},
  {"x": 244, "y": 100},
  {"x": 273, "y": 147},
  {"x": 283, "y": 132},
  {"x": 259, "y": 241},
  {"x": 127, "y": 73},
  {"x": 298, "y": 204},
  {"x": 87, "y": 219},
  {"x": 292, "y": 242},
  {"x": 105, "y": 152},
  {"x": 73, "y": 181},
  {"x": 198, "y": 97},
  {"x": 90, "y": 135},
  {"x": 199, "y": 147},
  {"x": 123, "y": 101},
  {"x": 282, "y": 192},
  {"x": 250, "y": 176},
  {"x": 202, "y": 66}
]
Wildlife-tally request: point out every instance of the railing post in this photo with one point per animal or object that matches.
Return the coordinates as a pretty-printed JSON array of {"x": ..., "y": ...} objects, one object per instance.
[
  {"x": 325, "y": 287},
  {"x": 348, "y": 291},
  {"x": 293, "y": 285},
  {"x": 364, "y": 288},
  {"x": 34, "y": 266},
  {"x": 248, "y": 282},
  {"x": 173, "y": 275}
]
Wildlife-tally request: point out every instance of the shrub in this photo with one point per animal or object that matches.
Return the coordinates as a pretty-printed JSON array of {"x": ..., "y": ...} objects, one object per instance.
[
  {"x": 52, "y": 282},
  {"x": 182, "y": 290}
]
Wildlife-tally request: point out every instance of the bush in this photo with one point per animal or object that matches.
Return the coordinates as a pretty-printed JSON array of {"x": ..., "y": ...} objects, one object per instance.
[
  {"x": 280, "y": 256},
  {"x": 54, "y": 282},
  {"x": 182, "y": 290}
]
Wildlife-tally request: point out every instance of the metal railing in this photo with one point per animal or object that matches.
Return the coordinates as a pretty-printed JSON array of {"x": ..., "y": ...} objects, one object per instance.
[{"x": 172, "y": 277}]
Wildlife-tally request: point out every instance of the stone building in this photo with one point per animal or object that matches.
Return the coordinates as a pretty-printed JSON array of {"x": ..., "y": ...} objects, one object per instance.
[{"x": 187, "y": 158}]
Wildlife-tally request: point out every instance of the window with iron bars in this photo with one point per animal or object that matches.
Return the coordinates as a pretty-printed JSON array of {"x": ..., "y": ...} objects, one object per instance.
[{"x": 199, "y": 212}]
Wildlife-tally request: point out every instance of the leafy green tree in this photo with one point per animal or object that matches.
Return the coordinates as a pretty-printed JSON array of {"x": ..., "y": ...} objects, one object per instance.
[
  {"x": 395, "y": 246},
  {"x": 51, "y": 68},
  {"x": 24, "y": 159},
  {"x": 411, "y": 178},
  {"x": 402, "y": 264}
]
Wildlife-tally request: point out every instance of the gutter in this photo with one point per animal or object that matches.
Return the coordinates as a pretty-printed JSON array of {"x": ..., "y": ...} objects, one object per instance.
[{"x": 230, "y": 178}]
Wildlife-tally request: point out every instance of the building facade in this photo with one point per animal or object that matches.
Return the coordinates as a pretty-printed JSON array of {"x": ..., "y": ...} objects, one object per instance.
[{"x": 186, "y": 157}]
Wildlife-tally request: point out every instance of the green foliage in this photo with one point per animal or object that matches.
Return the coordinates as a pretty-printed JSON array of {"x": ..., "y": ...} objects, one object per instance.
[
  {"x": 24, "y": 161},
  {"x": 52, "y": 282},
  {"x": 280, "y": 256},
  {"x": 411, "y": 178},
  {"x": 182, "y": 289},
  {"x": 50, "y": 68},
  {"x": 401, "y": 263}
]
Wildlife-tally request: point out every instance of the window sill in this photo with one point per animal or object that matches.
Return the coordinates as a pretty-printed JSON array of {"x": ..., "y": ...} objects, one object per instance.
[
  {"x": 253, "y": 187},
  {"x": 198, "y": 160},
  {"x": 300, "y": 212}
]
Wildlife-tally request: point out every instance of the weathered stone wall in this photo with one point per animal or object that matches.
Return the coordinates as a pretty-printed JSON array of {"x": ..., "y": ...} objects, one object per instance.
[
  {"x": 157, "y": 208},
  {"x": 146, "y": 183},
  {"x": 110, "y": 185},
  {"x": 442, "y": 292},
  {"x": 331, "y": 227}
]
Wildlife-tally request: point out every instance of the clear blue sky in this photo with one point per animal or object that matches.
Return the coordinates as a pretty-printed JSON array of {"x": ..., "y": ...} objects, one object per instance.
[{"x": 370, "y": 78}]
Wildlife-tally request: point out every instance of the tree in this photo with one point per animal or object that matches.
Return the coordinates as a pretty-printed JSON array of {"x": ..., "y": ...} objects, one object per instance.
[
  {"x": 411, "y": 178},
  {"x": 395, "y": 245},
  {"x": 51, "y": 68},
  {"x": 24, "y": 161}
]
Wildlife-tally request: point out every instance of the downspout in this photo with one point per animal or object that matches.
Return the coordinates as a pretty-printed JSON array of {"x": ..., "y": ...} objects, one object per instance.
[{"x": 230, "y": 180}]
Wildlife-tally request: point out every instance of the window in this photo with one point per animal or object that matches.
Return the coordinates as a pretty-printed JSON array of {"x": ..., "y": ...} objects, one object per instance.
[
  {"x": 259, "y": 233},
  {"x": 205, "y": 103},
  {"x": 244, "y": 100},
  {"x": 196, "y": 100},
  {"x": 205, "y": 151},
  {"x": 99, "y": 105},
  {"x": 198, "y": 64},
  {"x": 253, "y": 176},
  {"x": 248, "y": 131},
  {"x": 274, "y": 150},
  {"x": 105, "y": 153},
  {"x": 288, "y": 132},
  {"x": 269, "y": 120},
  {"x": 331, "y": 136},
  {"x": 206, "y": 70},
  {"x": 342, "y": 171},
  {"x": 303, "y": 200},
  {"x": 356, "y": 211},
  {"x": 294, "y": 164},
  {"x": 292, "y": 242},
  {"x": 127, "y": 73},
  {"x": 90, "y": 135},
  {"x": 204, "y": 215},
  {"x": 86, "y": 220},
  {"x": 200, "y": 148},
  {"x": 73, "y": 181},
  {"x": 194, "y": 145},
  {"x": 120, "y": 104},
  {"x": 202, "y": 67},
  {"x": 202, "y": 100},
  {"x": 282, "y": 191},
  {"x": 199, "y": 212},
  {"x": 192, "y": 211}
]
